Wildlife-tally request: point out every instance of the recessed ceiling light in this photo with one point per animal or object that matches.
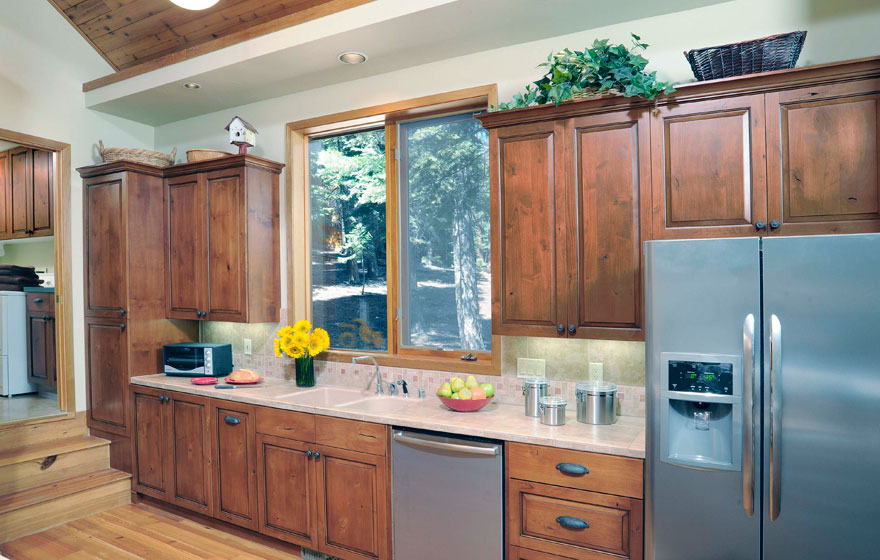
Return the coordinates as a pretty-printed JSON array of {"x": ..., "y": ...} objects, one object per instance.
[
  {"x": 194, "y": 4},
  {"x": 191, "y": 85},
  {"x": 352, "y": 57}
]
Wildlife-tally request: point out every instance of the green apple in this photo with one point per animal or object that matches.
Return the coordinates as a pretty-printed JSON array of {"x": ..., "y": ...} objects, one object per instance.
[
  {"x": 489, "y": 389},
  {"x": 457, "y": 384},
  {"x": 455, "y": 396},
  {"x": 464, "y": 394},
  {"x": 471, "y": 382},
  {"x": 445, "y": 390}
]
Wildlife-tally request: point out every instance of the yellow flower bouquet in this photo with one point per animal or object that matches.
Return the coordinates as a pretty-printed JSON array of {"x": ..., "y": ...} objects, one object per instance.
[{"x": 302, "y": 344}]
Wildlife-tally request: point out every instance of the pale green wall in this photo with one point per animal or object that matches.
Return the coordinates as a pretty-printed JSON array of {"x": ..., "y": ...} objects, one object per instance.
[{"x": 39, "y": 254}]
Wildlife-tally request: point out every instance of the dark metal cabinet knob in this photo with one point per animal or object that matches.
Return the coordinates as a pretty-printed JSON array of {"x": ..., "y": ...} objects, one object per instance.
[
  {"x": 572, "y": 329},
  {"x": 760, "y": 225},
  {"x": 122, "y": 326},
  {"x": 122, "y": 311},
  {"x": 164, "y": 399},
  {"x": 560, "y": 328},
  {"x": 38, "y": 300},
  {"x": 774, "y": 224},
  {"x": 317, "y": 455},
  {"x": 309, "y": 453}
]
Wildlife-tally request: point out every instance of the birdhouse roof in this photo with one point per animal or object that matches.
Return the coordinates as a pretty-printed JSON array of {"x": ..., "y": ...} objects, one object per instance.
[{"x": 246, "y": 124}]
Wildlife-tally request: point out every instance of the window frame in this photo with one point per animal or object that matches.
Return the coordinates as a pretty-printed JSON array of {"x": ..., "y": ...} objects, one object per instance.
[{"x": 298, "y": 227}]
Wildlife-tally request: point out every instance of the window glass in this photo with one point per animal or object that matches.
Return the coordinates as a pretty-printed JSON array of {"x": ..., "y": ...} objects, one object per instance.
[
  {"x": 444, "y": 199},
  {"x": 348, "y": 252}
]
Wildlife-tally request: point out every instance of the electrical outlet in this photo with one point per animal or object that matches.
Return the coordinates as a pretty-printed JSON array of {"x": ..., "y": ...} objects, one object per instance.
[
  {"x": 248, "y": 348},
  {"x": 596, "y": 371},
  {"x": 529, "y": 367}
]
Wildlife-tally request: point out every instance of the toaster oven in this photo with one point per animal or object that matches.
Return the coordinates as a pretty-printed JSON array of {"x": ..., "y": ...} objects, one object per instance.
[{"x": 197, "y": 359}]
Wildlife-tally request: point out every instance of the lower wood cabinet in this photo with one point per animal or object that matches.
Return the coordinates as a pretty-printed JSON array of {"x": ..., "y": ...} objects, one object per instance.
[
  {"x": 314, "y": 481},
  {"x": 41, "y": 338}
]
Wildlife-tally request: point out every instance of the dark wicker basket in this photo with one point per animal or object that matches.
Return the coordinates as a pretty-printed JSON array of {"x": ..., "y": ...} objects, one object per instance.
[{"x": 776, "y": 52}]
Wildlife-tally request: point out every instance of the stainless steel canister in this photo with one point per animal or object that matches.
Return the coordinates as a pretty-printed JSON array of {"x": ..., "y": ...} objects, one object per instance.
[
  {"x": 552, "y": 410},
  {"x": 533, "y": 390},
  {"x": 596, "y": 402}
]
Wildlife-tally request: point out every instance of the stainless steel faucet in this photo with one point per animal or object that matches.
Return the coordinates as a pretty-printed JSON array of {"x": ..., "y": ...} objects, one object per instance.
[{"x": 356, "y": 359}]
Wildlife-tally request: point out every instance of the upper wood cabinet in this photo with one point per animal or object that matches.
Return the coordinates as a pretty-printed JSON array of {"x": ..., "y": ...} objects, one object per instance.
[
  {"x": 222, "y": 240},
  {"x": 708, "y": 171},
  {"x": 567, "y": 216},
  {"x": 26, "y": 180},
  {"x": 823, "y": 158}
]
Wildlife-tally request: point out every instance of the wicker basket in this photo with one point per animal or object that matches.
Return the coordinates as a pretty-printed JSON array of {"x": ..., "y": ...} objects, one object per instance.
[
  {"x": 777, "y": 52},
  {"x": 581, "y": 95},
  {"x": 138, "y": 156},
  {"x": 200, "y": 154}
]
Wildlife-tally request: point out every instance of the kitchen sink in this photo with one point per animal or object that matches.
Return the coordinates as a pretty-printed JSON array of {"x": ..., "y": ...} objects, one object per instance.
[
  {"x": 379, "y": 405},
  {"x": 324, "y": 396}
]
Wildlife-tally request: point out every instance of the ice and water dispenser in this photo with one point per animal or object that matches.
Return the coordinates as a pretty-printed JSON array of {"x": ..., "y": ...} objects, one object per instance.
[{"x": 701, "y": 410}]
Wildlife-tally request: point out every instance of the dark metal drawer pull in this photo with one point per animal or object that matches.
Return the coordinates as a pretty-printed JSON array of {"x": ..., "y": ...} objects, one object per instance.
[
  {"x": 572, "y": 522},
  {"x": 572, "y": 468},
  {"x": 38, "y": 300},
  {"x": 232, "y": 420}
]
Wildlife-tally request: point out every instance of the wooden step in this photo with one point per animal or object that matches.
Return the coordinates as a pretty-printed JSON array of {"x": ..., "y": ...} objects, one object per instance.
[
  {"x": 32, "y": 432},
  {"x": 49, "y": 505},
  {"x": 43, "y": 463}
]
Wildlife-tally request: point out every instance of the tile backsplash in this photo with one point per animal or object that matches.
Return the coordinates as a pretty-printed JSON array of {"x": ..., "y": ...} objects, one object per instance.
[{"x": 566, "y": 363}]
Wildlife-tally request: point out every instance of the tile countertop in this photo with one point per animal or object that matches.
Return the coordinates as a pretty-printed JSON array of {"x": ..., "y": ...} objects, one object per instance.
[{"x": 497, "y": 421}]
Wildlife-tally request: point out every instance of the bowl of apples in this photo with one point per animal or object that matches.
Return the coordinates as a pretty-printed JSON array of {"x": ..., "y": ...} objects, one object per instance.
[{"x": 465, "y": 396}]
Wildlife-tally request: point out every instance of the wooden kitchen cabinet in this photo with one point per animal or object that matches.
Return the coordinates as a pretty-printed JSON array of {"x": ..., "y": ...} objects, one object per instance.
[
  {"x": 41, "y": 338},
  {"x": 235, "y": 460},
  {"x": 27, "y": 193},
  {"x": 823, "y": 158},
  {"x": 124, "y": 296},
  {"x": 708, "y": 169},
  {"x": 172, "y": 448},
  {"x": 222, "y": 240},
  {"x": 4, "y": 194}
]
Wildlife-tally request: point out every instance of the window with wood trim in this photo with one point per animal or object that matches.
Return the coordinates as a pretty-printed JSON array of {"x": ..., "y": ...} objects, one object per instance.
[{"x": 389, "y": 238}]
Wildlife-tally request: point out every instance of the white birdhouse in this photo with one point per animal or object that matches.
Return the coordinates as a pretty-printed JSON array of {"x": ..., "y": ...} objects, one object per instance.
[{"x": 242, "y": 134}]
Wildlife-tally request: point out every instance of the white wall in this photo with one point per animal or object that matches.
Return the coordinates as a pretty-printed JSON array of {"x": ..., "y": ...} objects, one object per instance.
[{"x": 43, "y": 64}]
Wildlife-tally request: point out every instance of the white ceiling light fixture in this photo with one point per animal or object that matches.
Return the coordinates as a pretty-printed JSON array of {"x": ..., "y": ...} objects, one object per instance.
[
  {"x": 195, "y": 4},
  {"x": 351, "y": 57},
  {"x": 191, "y": 85}
]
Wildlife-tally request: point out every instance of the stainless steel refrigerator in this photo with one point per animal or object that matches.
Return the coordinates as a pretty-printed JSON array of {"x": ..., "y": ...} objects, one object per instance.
[{"x": 763, "y": 398}]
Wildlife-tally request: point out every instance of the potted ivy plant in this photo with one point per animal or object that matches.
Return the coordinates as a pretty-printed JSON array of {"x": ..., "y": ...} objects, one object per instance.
[{"x": 603, "y": 68}]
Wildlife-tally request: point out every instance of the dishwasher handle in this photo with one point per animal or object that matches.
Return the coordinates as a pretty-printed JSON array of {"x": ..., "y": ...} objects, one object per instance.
[{"x": 474, "y": 448}]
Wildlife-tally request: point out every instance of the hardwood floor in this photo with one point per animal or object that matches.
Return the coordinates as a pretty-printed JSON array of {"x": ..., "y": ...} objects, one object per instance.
[{"x": 138, "y": 532}]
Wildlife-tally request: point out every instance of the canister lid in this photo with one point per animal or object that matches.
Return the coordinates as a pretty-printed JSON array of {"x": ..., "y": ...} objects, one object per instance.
[
  {"x": 595, "y": 388},
  {"x": 554, "y": 401},
  {"x": 536, "y": 381}
]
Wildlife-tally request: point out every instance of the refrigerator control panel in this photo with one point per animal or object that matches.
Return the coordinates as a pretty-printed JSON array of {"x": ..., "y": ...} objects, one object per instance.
[{"x": 700, "y": 377}]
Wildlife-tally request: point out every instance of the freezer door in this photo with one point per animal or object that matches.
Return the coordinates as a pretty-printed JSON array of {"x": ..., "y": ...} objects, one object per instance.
[
  {"x": 822, "y": 397},
  {"x": 699, "y": 295}
]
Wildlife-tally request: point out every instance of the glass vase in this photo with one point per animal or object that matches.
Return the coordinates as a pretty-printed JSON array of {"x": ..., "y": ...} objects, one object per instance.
[{"x": 305, "y": 372}]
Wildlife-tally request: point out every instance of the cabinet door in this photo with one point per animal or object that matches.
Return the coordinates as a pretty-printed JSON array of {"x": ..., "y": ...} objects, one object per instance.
[
  {"x": 226, "y": 245},
  {"x": 4, "y": 195},
  {"x": 40, "y": 198},
  {"x": 527, "y": 171},
  {"x": 708, "y": 170},
  {"x": 191, "y": 463},
  {"x": 286, "y": 490},
  {"x": 235, "y": 475},
  {"x": 353, "y": 504},
  {"x": 823, "y": 164},
  {"x": 107, "y": 374},
  {"x": 105, "y": 242},
  {"x": 40, "y": 331},
  {"x": 184, "y": 246},
  {"x": 609, "y": 202},
  {"x": 151, "y": 445},
  {"x": 20, "y": 179}
]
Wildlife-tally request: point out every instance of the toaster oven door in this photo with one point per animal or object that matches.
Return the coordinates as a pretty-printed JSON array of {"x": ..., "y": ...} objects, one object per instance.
[{"x": 185, "y": 362}]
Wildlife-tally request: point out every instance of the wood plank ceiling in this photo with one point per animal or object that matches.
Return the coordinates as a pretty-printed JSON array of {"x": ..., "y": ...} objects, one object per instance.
[{"x": 128, "y": 33}]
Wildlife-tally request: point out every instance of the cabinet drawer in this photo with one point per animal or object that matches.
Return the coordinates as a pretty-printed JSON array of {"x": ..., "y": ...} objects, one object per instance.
[
  {"x": 516, "y": 553},
  {"x": 41, "y": 301},
  {"x": 574, "y": 523},
  {"x": 588, "y": 471},
  {"x": 286, "y": 424},
  {"x": 351, "y": 434}
]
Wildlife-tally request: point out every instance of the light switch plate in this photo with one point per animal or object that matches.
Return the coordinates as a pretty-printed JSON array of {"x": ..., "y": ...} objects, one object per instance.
[
  {"x": 596, "y": 371},
  {"x": 529, "y": 367},
  {"x": 248, "y": 347}
]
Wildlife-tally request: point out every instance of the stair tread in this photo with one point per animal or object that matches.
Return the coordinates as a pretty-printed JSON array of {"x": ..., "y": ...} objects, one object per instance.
[
  {"x": 68, "y": 486},
  {"x": 56, "y": 447}
]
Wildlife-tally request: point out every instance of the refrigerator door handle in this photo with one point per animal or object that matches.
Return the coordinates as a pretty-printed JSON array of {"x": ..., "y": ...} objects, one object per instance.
[
  {"x": 775, "y": 416},
  {"x": 749, "y": 385}
]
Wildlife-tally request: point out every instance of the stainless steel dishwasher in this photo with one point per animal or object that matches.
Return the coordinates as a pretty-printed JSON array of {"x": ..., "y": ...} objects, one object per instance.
[{"x": 447, "y": 496}]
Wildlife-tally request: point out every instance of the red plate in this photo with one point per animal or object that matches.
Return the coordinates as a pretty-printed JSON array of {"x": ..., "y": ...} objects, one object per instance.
[
  {"x": 203, "y": 380},
  {"x": 244, "y": 382}
]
